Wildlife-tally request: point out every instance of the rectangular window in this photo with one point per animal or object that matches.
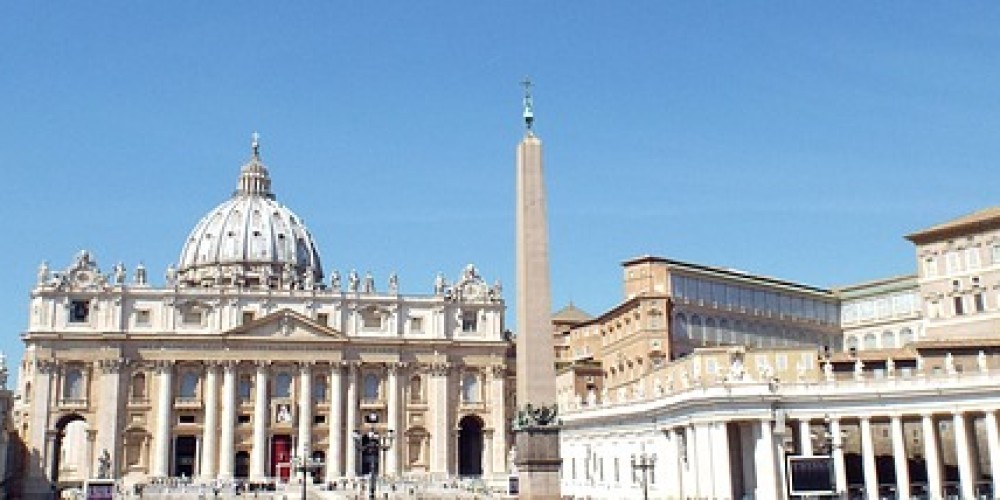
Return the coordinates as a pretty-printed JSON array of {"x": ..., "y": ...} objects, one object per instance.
[
  {"x": 416, "y": 325},
  {"x": 781, "y": 362},
  {"x": 995, "y": 251},
  {"x": 79, "y": 311},
  {"x": 319, "y": 419},
  {"x": 959, "y": 306},
  {"x": 192, "y": 318},
  {"x": 244, "y": 388},
  {"x": 954, "y": 262},
  {"x": 930, "y": 267},
  {"x": 371, "y": 320},
  {"x": 142, "y": 317},
  {"x": 247, "y": 317},
  {"x": 185, "y": 419},
  {"x": 243, "y": 419},
  {"x": 972, "y": 257},
  {"x": 323, "y": 319},
  {"x": 956, "y": 285},
  {"x": 980, "y": 302},
  {"x": 617, "y": 476},
  {"x": 470, "y": 321}
]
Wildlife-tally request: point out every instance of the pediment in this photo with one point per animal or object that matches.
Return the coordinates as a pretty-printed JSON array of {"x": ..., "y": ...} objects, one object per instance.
[{"x": 285, "y": 325}]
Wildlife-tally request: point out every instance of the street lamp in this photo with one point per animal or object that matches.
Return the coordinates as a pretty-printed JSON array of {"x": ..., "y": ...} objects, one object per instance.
[
  {"x": 305, "y": 464},
  {"x": 371, "y": 445},
  {"x": 645, "y": 463}
]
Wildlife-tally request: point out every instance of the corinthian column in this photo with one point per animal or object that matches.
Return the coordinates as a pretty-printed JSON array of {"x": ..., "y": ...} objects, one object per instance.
[
  {"x": 227, "y": 453},
  {"x": 334, "y": 460},
  {"x": 392, "y": 454},
  {"x": 350, "y": 454},
  {"x": 164, "y": 402},
  {"x": 305, "y": 410},
  {"x": 258, "y": 455},
  {"x": 210, "y": 432}
]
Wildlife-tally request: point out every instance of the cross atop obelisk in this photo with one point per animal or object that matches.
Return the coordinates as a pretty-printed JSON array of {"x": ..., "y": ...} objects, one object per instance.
[{"x": 536, "y": 424}]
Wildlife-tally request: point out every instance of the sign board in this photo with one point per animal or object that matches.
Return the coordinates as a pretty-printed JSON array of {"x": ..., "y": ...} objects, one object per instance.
[
  {"x": 99, "y": 489},
  {"x": 810, "y": 475}
]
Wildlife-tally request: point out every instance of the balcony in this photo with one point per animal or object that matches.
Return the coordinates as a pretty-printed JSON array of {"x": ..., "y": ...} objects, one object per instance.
[
  {"x": 73, "y": 403},
  {"x": 187, "y": 403}
]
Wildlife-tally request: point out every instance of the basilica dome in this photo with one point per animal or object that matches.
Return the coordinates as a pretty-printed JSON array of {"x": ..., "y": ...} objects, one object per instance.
[{"x": 250, "y": 240}]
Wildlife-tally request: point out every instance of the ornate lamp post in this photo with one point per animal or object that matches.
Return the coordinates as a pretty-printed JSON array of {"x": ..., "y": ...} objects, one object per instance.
[
  {"x": 645, "y": 463},
  {"x": 305, "y": 464},
  {"x": 371, "y": 445}
]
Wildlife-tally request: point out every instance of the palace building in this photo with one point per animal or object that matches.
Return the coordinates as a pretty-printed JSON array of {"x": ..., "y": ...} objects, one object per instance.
[
  {"x": 249, "y": 356},
  {"x": 708, "y": 382}
]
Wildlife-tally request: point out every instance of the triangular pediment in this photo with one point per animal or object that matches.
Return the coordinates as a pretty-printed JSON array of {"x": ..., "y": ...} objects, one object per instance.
[{"x": 285, "y": 325}]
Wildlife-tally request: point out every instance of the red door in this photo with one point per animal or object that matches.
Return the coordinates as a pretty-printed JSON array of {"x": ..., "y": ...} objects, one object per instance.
[{"x": 281, "y": 456}]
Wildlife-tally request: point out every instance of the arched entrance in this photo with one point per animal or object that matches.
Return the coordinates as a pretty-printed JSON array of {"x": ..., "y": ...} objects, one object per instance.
[
  {"x": 470, "y": 446},
  {"x": 75, "y": 452}
]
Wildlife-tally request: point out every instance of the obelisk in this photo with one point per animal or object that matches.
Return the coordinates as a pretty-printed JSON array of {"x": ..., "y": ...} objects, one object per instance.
[{"x": 536, "y": 425}]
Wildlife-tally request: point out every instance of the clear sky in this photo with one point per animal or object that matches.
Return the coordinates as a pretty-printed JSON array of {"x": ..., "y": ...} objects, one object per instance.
[{"x": 800, "y": 140}]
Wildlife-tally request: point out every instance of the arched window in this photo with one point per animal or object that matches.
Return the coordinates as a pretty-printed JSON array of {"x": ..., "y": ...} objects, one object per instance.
[
  {"x": 888, "y": 340},
  {"x": 319, "y": 388},
  {"x": 189, "y": 385},
  {"x": 905, "y": 337},
  {"x": 138, "y": 387},
  {"x": 73, "y": 388},
  {"x": 470, "y": 388},
  {"x": 371, "y": 387},
  {"x": 283, "y": 385},
  {"x": 416, "y": 389},
  {"x": 871, "y": 342}
]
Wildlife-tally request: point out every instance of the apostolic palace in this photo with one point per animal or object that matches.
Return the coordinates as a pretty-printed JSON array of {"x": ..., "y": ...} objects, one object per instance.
[{"x": 251, "y": 361}]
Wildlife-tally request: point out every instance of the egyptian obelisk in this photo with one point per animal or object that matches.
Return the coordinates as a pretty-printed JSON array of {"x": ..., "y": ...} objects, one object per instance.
[{"x": 536, "y": 425}]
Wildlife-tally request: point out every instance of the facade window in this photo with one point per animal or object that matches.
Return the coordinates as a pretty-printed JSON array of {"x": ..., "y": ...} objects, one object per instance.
[
  {"x": 138, "y": 389},
  {"x": 192, "y": 318},
  {"x": 980, "y": 302},
  {"x": 972, "y": 257},
  {"x": 142, "y": 317},
  {"x": 247, "y": 317},
  {"x": 470, "y": 388},
  {"x": 905, "y": 336},
  {"x": 416, "y": 325},
  {"x": 73, "y": 385},
  {"x": 697, "y": 330},
  {"x": 416, "y": 390},
  {"x": 323, "y": 319},
  {"x": 79, "y": 311},
  {"x": 189, "y": 386},
  {"x": 959, "y": 306},
  {"x": 617, "y": 476},
  {"x": 870, "y": 341},
  {"x": 470, "y": 321},
  {"x": 930, "y": 267},
  {"x": 888, "y": 340},
  {"x": 244, "y": 389},
  {"x": 371, "y": 384},
  {"x": 956, "y": 285},
  {"x": 995, "y": 251},
  {"x": 954, "y": 262},
  {"x": 371, "y": 319},
  {"x": 283, "y": 385},
  {"x": 319, "y": 389}
]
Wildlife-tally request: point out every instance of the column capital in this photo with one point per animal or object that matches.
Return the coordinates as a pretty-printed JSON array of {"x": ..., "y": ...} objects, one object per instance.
[
  {"x": 262, "y": 365},
  {"x": 305, "y": 367},
  {"x": 110, "y": 366},
  {"x": 395, "y": 367},
  {"x": 163, "y": 366},
  {"x": 229, "y": 365}
]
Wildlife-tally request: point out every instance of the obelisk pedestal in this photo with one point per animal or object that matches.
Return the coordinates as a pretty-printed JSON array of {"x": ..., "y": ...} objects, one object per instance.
[{"x": 536, "y": 426}]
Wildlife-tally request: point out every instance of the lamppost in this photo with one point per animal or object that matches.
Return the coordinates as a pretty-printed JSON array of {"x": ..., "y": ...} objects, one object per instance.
[
  {"x": 371, "y": 445},
  {"x": 305, "y": 464},
  {"x": 645, "y": 463}
]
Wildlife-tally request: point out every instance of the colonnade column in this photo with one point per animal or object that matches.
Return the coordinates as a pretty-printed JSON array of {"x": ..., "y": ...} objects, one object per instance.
[
  {"x": 334, "y": 463},
  {"x": 305, "y": 411},
  {"x": 723, "y": 482},
  {"x": 764, "y": 451},
  {"x": 498, "y": 374},
  {"x": 993, "y": 442},
  {"x": 392, "y": 415},
  {"x": 805, "y": 438},
  {"x": 900, "y": 457},
  {"x": 258, "y": 455},
  {"x": 350, "y": 454},
  {"x": 164, "y": 403},
  {"x": 965, "y": 474},
  {"x": 839, "y": 465},
  {"x": 932, "y": 456},
  {"x": 210, "y": 432},
  {"x": 228, "y": 422},
  {"x": 868, "y": 459}
]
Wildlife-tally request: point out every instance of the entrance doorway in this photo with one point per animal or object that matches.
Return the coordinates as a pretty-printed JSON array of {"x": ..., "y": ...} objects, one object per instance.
[
  {"x": 185, "y": 452},
  {"x": 470, "y": 446},
  {"x": 281, "y": 456}
]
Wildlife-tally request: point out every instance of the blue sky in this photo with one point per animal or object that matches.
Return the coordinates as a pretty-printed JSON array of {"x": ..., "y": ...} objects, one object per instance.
[{"x": 800, "y": 140}]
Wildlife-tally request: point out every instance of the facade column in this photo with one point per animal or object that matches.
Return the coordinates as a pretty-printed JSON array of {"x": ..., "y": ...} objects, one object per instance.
[
  {"x": 392, "y": 386},
  {"x": 441, "y": 435},
  {"x": 965, "y": 469},
  {"x": 109, "y": 410},
  {"x": 672, "y": 466},
  {"x": 39, "y": 401},
  {"x": 305, "y": 411},
  {"x": 258, "y": 455},
  {"x": 993, "y": 443},
  {"x": 210, "y": 432},
  {"x": 335, "y": 452},
  {"x": 868, "y": 459},
  {"x": 498, "y": 418},
  {"x": 765, "y": 458},
  {"x": 932, "y": 456},
  {"x": 723, "y": 482},
  {"x": 805, "y": 438},
  {"x": 900, "y": 457},
  {"x": 705, "y": 463},
  {"x": 351, "y": 454},
  {"x": 228, "y": 423},
  {"x": 164, "y": 404},
  {"x": 487, "y": 459},
  {"x": 839, "y": 465}
]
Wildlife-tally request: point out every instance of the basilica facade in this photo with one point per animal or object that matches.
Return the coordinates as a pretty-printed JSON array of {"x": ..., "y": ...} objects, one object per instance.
[{"x": 249, "y": 357}]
